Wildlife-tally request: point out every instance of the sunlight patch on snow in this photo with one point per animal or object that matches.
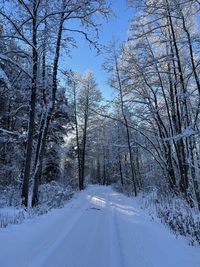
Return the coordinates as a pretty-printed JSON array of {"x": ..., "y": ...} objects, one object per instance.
[
  {"x": 98, "y": 201},
  {"x": 124, "y": 209},
  {"x": 121, "y": 234}
]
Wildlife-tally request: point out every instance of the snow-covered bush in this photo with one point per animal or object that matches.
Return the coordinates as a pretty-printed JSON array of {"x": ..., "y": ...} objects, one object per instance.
[
  {"x": 10, "y": 206},
  {"x": 126, "y": 189},
  {"x": 11, "y": 216},
  {"x": 53, "y": 195},
  {"x": 176, "y": 213},
  {"x": 10, "y": 196},
  {"x": 173, "y": 210}
]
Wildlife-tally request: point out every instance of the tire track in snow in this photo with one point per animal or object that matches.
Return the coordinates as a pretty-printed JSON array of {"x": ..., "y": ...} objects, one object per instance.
[
  {"x": 117, "y": 255},
  {"x": 99, "y": 228},
  {"x": 131, "y": 242},
  {"x": 72, "y": 217},
  {"x": 76, "y": 246}
]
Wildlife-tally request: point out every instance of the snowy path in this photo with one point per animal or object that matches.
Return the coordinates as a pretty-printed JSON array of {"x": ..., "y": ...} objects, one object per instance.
[{"x": 99, "y": 228}]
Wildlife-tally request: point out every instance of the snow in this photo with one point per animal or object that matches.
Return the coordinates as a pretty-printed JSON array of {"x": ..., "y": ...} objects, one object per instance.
[
  {"x": 187, "y": 132},
  {"x": 99, "y": 227},
  {"x": 9, "y": 211},
  {"x": 11, "y": 215},
  {"x": 4, "y": 78},
  {"x": 5, "y": 58}
]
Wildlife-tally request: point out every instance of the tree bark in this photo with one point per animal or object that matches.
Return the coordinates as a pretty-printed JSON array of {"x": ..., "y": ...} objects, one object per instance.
[
  {"x": 31, "y": 125},
  {"x": 126, "y": 125},
  {"x": 50, "y": 109}
]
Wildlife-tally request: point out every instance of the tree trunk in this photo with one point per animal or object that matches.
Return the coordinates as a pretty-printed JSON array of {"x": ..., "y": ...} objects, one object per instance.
[
  {"x": 77, "y": 134},
  {"x": 31, "y": 125},
  {"x": 182, "y": 156},
  {"x": 81, "y": 185},
  {"x": 38, "y": 170},
  {"x": 126, "y": 126}
]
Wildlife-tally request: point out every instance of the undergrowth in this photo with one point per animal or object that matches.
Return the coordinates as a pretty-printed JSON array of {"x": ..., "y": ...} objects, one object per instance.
[
  {"x": 172, "y": 209},
  {"x": 51, "y": 196}
]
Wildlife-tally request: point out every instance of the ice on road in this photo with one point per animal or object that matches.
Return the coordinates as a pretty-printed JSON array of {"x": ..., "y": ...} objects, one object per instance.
[{"x": 97, "y": 228}]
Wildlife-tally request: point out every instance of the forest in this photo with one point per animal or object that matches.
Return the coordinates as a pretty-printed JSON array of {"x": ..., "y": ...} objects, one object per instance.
[{"x": 57, "y": 132}]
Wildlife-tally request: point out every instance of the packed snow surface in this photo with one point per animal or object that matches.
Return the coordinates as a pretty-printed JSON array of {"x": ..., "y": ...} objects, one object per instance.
[{"x": 97, "y": 228}]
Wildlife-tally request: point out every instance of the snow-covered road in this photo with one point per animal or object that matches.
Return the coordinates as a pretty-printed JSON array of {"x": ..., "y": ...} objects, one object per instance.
[{"x": 98, "y": 228}]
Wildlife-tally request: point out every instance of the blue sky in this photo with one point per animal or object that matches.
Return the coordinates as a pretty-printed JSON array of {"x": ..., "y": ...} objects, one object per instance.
[{"x": 84, "y": 58}]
